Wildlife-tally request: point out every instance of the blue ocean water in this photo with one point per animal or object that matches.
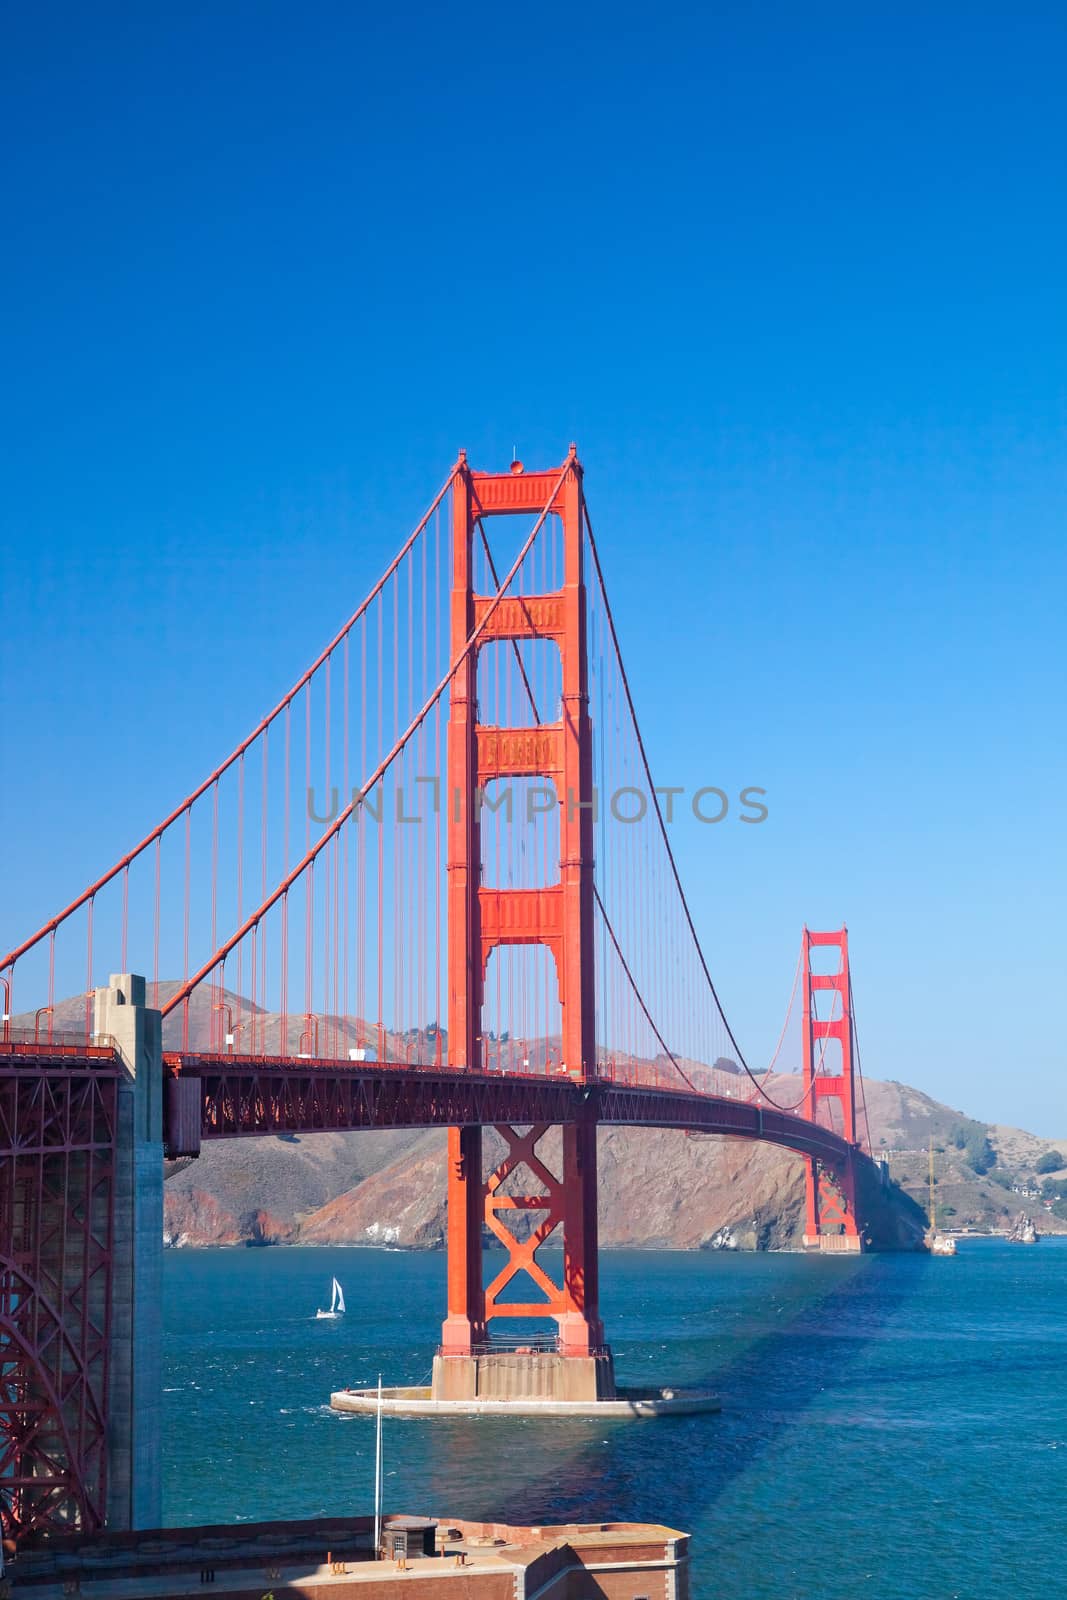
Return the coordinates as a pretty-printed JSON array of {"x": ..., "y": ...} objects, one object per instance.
[{"x": 894, "y": 1425}]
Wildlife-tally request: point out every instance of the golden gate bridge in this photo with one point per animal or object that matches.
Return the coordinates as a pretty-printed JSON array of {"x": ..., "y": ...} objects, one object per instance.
[{"x": 434, "y": 886}]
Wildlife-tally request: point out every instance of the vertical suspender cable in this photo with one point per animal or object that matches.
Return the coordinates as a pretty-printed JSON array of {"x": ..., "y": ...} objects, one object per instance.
[
  {"x": 89, "y": 967},
  {"x": 125, "y": 916}
]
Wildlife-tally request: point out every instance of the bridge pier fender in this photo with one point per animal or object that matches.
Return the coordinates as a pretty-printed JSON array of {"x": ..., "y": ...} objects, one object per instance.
[{"x": 135, "y": 1398}]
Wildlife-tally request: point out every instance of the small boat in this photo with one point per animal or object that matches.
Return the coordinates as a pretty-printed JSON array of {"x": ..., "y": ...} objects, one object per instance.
[{"x": 337, "y": 1303}]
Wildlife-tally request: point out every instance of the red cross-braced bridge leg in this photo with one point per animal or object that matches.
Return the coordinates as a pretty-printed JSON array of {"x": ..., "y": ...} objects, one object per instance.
[
  {"x": 829, "y": 1093},
  {"x": 57, "y": 1213},
  {"x": 558, "y": 916}
]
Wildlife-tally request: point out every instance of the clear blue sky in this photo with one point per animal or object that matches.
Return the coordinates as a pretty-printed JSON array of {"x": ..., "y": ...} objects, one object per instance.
[{"x": 792, "y": 276}]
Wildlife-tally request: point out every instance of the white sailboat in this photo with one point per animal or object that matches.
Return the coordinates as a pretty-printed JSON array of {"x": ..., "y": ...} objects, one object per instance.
[{"x": 337, "y": 1303}]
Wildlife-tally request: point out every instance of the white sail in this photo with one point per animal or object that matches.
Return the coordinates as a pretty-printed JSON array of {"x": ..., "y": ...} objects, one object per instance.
[{"x": 337, "y": 1302}]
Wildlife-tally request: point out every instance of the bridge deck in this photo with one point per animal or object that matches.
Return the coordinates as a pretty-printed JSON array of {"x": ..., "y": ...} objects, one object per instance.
[
  {"x": 245, "y": 1096},
  {"x": 242, "y": 1097}
]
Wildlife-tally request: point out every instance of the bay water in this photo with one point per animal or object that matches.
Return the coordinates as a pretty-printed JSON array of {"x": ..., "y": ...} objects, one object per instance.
[{"x": 891, "y": 1424}]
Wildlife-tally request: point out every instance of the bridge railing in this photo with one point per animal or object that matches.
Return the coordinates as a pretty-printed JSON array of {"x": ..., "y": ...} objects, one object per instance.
[{"x": 32, "y": 1043}]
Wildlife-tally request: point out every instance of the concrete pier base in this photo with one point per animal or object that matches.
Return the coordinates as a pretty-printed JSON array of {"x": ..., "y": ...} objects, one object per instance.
[
  {"x": 627, "y": 1404},
  {"x": 524, "y": 1382},
  {"x": 834, "y": 1244},
  {"x": 524, "y": 1375}
]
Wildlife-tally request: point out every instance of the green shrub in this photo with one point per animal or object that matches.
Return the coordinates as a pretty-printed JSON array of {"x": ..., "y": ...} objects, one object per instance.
[
  {"x": 973, "y": 1139},
  {"x": 1051, "y": 1161},
  {"x": 979, "y": 1154}
]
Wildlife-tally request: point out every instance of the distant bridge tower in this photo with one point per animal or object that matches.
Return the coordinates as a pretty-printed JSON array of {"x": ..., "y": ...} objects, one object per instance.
[
  {"x": 829, "y": 1079},
  {"x": 557, "y": 915}
]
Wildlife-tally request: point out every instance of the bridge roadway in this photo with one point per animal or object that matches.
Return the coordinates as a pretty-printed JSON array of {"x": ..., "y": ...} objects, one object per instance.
[
  {"x": 226, "y": 1096},
  {"x": 239, "y": 1097}
]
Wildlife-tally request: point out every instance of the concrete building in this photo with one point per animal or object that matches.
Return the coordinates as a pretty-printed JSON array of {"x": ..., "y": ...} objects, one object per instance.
[{"x": 332, "y": 1559}]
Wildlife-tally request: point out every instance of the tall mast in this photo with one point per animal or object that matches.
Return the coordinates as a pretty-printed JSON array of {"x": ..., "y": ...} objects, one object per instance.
[{"x": 378, "y": 1475}]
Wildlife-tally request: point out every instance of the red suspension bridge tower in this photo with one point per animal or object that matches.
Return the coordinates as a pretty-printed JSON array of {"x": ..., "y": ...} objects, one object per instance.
[
  {"x": 828, "y": 1046},
  {"x": 556, "y": 915}
]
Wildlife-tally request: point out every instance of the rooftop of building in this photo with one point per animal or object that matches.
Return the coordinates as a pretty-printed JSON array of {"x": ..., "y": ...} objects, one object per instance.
[{"x": 329, "y": 1556}]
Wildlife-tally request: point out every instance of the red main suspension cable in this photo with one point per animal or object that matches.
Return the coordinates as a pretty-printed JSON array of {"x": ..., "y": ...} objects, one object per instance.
[
  {"x": 659, "y": 817},
  {"x": 124, "y": 862},
  {"x": 183, "y": 993}
]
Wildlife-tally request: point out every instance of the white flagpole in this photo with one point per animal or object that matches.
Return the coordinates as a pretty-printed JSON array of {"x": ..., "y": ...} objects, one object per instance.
[{"x": 378, "y": 1475}]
